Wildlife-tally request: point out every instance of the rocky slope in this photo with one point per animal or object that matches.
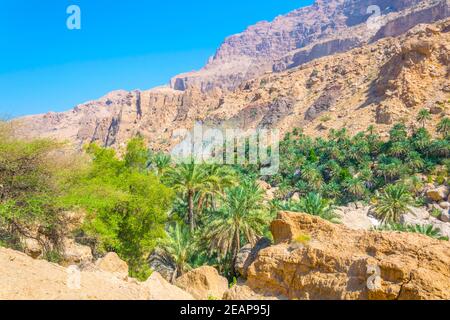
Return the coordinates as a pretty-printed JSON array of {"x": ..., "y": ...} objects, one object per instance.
[
  {"x": 23, "y": 278},
  {"x": 379, "y": 83},
  {"x": 314, "y": 259},
  {"x": 325, "y": 28}
]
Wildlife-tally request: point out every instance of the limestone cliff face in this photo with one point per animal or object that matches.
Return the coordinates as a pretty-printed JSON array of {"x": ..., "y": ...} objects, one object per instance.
[
  {"x": 325, "y": 28},
  {"x": 375, "y": 84},
  {"x": 339, "y": 263}
]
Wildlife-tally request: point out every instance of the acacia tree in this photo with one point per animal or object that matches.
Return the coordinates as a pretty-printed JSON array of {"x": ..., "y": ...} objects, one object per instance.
[{"x": 29, "y": 191}]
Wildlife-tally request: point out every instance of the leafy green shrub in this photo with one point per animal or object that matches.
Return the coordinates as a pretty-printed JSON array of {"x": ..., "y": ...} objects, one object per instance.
[
  {"x": 302, "y": 238},
  {"x": 127, "y": 205},
  {"x": 29, "y": 191},
  {"x": 427, "y": 230}
]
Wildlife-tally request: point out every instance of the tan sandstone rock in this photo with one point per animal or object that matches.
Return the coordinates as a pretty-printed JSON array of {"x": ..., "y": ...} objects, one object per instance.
[
  {"x": 203, "y": 283},
  {"x": 438, "y": 194},
  {"x": 75, "y": 254},
  {"x": 113, "y": 264},
  {"x": 160, "y": 289},
  {"x": 339, "y": 263},
  {"x": 23, "y": 278}
]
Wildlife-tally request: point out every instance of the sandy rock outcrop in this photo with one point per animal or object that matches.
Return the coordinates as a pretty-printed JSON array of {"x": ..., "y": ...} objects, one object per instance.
[
  {"x": 24, "y": 278},
  {"x": 113, "y": 264},
  {"x": 243, "y": 292},
  {"x": 248, "y": 254},
  {"x": 438, "y": 194},
  {"x": 203, "y": 283},
  {"x": 76, "y": 254},
  {"x": 339, "y": 263},
  {"x": 161, "y": 289}
]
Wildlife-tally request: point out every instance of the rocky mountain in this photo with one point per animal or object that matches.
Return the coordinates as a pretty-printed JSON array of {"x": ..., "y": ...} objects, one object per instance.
[
  {"x": 325, "y": 28},
  {"x": 379, "y": 83}
]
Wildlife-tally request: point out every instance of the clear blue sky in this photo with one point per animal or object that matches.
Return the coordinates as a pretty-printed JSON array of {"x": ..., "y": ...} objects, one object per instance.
[{"x": 122, "y": 44}]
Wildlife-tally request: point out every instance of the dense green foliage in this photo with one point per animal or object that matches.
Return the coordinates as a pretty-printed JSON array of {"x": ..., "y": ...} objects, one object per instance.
[
  {"x": 138, "y": 202},
  {"x": 28, "y": 192},
  {"x": 127, "y": 204},
  {"x": 344, "y": 169}
]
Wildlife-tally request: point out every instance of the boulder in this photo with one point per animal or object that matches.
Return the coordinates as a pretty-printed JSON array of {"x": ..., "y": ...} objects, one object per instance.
[
  {"x": 438, "y": 194},
  {"x": 161, "y": 263},
  {"x": 248, "y": 254},
  {"x": 203, "y": 283},
  {"x": 24, "y": 278},
  {"x": 340, "y": 263},
  {"x": 263, "y": 185},
  {"x": 356, "y": 217},
  {"x": 160, "y": 289},
  {"x": 75, "y": 254},
  {"x": 445, "y": 217},
  {"x": 420, "y": 216},
  {"x": 295, "y": 197},
  {"x": 113, "y": 264},
  {"x": 444, "y": 205},
  {"x": 32, "y": 248},
  {"x": 244, "y": 293}
]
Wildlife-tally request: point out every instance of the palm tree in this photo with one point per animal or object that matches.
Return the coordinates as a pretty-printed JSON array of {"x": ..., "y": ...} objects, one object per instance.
[
  {"x": 312, "y": 175},
  {"x": 398, "y": 132},
  {"x": 221, "y": 178},
  {"x": 443, "y": 127},
  {"x": 161, "y": 163},
  {"x": 421, "y": 139},
  {"x": 315, "y": 205},
  {"x": 242, "y": 216},
  {"x": 393, "y": 203},
  {"x": 178, "y": 247},
  {"x": 355, "y": 186},
  {"x": 423, "y": 116},
  {"x": 189, "y": 179},
  {"x": 201, "y": 180}
]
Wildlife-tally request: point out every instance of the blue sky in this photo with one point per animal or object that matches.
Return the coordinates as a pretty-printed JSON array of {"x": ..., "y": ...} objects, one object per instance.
[{"x": 133, "y": 44}]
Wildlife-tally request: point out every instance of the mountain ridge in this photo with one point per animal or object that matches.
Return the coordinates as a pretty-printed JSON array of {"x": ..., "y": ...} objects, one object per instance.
[{"x": 307, "y": 96}]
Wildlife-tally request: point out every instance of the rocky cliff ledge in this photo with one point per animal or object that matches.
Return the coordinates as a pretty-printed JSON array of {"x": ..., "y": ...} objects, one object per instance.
[{"x": 314, "y": 259}]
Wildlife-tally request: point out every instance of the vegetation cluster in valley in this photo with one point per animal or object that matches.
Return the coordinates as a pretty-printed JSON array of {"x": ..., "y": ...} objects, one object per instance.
[{"x": 141, "y": 204}]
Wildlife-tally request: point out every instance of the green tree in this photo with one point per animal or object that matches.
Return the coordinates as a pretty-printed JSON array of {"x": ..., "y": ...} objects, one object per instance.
[
  {"x": 161, "y": 163},
  {"x": 191, "y": 179},
  {"x": 444, "y": 127},
  {"x": 393, "y": 202},
  {"x": 29, "y": 191},
  {"x": 242, "y": 216},
  {"x": 179, "y": 246},
  {"x": 423, "y": 116},
  {"x": 127, "y": 206},
  {"x": 315, "y": 205}
]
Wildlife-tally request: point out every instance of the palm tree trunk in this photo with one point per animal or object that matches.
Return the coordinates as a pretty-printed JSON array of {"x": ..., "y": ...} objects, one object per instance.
[
  {"x": 236, "y": 249},
  {"x": 191, "y": 210},
  {"x": 174, "y": 275}
]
